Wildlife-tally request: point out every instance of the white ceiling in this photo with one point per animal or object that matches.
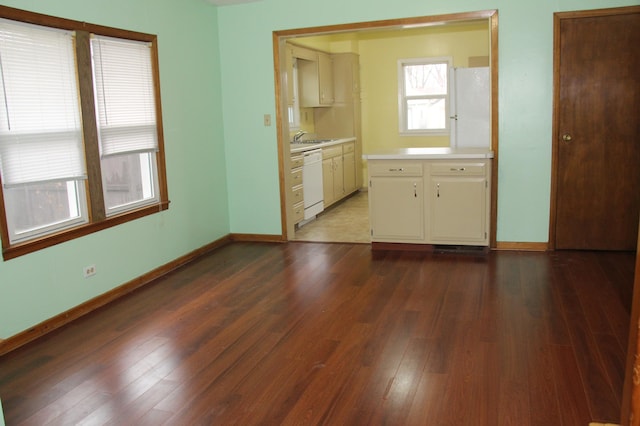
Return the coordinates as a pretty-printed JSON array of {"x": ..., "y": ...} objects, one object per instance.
[{"x": 229, "y": 2}]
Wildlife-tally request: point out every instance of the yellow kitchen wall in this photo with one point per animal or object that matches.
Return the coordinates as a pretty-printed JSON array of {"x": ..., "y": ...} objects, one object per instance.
[
  {"x": 379, "y": 54},
  {"x": 379, "y": 57}
]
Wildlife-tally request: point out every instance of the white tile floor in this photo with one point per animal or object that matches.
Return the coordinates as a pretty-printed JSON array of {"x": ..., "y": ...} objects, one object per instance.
[{"x": 345, "y": 222}]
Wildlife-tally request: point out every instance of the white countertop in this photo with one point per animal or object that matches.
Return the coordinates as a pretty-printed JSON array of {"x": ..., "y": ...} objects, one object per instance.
[
  {"x": 301, "y": 147},
  {"x": 429, "y": 153}
]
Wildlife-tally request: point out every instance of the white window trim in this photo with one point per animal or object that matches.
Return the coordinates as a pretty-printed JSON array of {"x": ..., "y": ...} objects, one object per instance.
[{"x": 402, "y": 110}]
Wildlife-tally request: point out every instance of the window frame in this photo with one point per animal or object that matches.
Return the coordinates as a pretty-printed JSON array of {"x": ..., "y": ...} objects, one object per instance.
[
  {"x": 403, "y": 127},
  {"x": 98, "y": 219}
]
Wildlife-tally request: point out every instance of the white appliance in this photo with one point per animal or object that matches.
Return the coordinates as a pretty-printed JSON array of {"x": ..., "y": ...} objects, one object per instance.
[
  {"x": 312, "y": 183},
  {"x": 470, "y": 108}
]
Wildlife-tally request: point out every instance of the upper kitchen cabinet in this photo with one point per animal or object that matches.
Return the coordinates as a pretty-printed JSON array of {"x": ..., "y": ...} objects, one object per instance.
[
  {"x": 316, "y": 81},
  {"x": 346, "y": 77}
]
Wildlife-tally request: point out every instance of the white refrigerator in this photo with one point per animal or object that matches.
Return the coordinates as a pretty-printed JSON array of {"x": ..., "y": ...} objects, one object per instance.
[{"x": 470, "y": 107}]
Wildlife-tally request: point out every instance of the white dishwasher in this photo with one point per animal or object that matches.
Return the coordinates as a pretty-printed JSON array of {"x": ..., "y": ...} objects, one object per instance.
[{"x": 312, "y": 183}]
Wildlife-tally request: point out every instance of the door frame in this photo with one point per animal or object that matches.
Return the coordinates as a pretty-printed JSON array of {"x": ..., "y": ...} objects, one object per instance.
[
  {"x": 555, "y": 132},
  {"x": 284, "y": 155}
]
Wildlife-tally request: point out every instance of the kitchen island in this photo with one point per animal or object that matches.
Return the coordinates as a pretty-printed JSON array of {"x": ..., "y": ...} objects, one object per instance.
[{"x": 430, "y": 196}]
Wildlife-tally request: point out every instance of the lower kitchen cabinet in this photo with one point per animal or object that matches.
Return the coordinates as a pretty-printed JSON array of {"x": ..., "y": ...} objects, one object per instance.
[
  {"x": 297, "y": 195},
  {"x": 430, "y": 201},
  {"x": 338, "y": 172},
  {"x": 458, "y": 203},
  {"x": 396, "y": 202},
  {"x": 349, "y": 167},
  {"x": 332, "y": 175}
]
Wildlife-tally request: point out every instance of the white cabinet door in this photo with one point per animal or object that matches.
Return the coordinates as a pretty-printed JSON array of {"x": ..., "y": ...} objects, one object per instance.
[
  {"x": 396, "y": 208},
  {"x": 349, "y": 165},
  {"x": 458, "y": 212},
  {"x": 325, "y": 79},
  {"x": 458, "y": 203}
]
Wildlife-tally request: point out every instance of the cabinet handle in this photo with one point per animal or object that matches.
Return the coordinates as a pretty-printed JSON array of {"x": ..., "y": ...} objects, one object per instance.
[
  {"x": 400, "y": 169},
  {"x": 454, "y": 169},
  {"x": 415, "y": 190},
  {"x": 438, "y": 191}
]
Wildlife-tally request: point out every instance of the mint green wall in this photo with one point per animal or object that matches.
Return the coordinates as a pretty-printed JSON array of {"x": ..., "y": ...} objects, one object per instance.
[
  {"x": 525, "y": 96},
  {"x": 221, "y": 182},
  {"x": 41, "y": 285}
]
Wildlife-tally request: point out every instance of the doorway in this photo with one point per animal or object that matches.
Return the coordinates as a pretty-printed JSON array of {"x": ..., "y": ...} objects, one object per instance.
[
  {"x": 596, "y": 133},
  {"x": 490, "y": 18}
]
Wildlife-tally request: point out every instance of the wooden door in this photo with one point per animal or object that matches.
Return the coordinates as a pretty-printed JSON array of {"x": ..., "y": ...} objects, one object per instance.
[{"x": 596, "y": 130}]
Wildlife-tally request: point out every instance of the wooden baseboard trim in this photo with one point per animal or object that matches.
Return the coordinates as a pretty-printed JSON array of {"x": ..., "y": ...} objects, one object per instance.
[
  {"x": 504, "y": 245},
  {"x": 47, "y": 326},
  {"x": 258, "y": 238}
]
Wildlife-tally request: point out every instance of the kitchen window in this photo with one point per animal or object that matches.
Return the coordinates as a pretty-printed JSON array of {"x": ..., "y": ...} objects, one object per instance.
[
  {"x": 81, "y": 144},
  {"x": 423, "y": 96},
  {"x": 294, "y": 110}
]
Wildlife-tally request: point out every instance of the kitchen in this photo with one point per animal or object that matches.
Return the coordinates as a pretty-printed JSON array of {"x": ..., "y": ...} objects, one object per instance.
[{"x": 365, "y": 101}]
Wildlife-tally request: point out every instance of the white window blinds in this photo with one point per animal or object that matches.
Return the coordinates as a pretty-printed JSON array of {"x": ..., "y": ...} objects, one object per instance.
[
  {"x": 40, "y": 135},
  {"x": 125, "y": 100}
]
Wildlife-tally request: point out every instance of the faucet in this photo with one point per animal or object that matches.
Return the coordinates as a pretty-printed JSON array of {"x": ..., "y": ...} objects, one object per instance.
[{"x": 298, "y": 136}]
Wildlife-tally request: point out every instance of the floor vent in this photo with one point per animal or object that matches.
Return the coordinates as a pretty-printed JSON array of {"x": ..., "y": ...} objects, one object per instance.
[{"x": 460, "y": 249}]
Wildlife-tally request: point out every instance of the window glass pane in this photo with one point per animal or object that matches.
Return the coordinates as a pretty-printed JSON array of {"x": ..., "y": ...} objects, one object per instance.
[
  {"x": 425, "y": 79},
  {"x": 38, "y": 208},
  {"x": 128, "y": 181},
  {"x": 427, "y": 114}
]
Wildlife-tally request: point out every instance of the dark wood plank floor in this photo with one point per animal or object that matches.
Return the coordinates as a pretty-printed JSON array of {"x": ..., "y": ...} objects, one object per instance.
[{"x": 308, "y": 333}]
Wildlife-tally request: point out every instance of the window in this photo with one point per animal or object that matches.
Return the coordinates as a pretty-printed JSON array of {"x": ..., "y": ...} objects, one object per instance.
[
  {"x": 294, "y": 110},
  {"x": 43, "y": 169},
  {"x": 126, "y": 122},
  {"x": 81, "y": 144},
  {"x": 423, "y": 96}
]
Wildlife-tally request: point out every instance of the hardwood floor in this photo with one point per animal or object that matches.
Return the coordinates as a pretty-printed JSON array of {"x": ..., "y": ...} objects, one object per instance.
[{"x": 313, "y": 333}]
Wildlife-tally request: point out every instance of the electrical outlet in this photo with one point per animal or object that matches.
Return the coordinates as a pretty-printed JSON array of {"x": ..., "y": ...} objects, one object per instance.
[
  {"x": 267, "y": 120},
  {"x": 89, "y": 271}
]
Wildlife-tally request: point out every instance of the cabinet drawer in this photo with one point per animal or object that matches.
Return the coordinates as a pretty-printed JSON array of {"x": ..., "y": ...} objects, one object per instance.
[
  {"x": 296, "y": 177},
  {"x": 333, "y": 151},
  {"x": 296, "y": 194},
  {"x": 298, "y": 212},
  {"x": 399, "y": 168},
  {"x": 297, "y": 161},
  {"x": 460, "y": 169},
  {"x": 348, "y": 147}
]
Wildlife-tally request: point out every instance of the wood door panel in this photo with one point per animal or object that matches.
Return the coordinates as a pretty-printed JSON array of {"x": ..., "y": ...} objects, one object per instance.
[{"x": 598, "y": 173}]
